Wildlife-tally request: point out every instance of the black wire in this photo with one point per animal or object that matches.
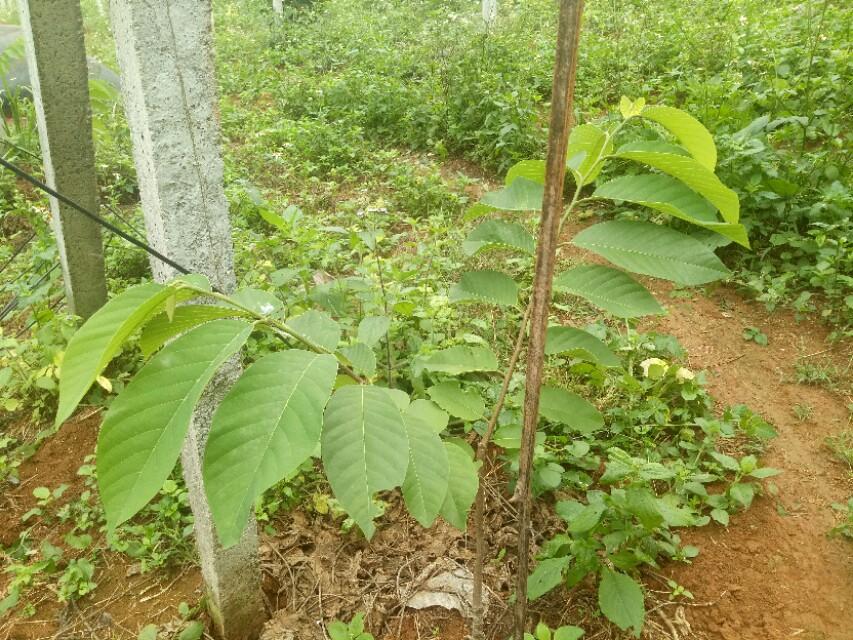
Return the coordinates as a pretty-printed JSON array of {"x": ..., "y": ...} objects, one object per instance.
[{"x": 92, "y": 216}]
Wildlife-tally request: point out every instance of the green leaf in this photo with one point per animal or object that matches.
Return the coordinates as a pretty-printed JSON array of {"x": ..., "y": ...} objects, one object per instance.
[
  {"x": 586, "y": 518},
  {"x": 261, "y": 302},
  {"x": 372, "y": 329},
  {"x": 193, "y": 631},
  {"x": 531, "y": 169},
  {"x": 318, "y": 327},
  {"x": 160, "y": 329},
  {"x": 568, "y": 633},
  {"x": 653, "y": 250},
  {"x": 148, "y": 632},
  {"x": 691, "y": 133},
  {"x": 145, "y": 427},
  {"x": 593, "y": 143},
  {"x": 361, "y": 357},
  {"x": 521, "y": 195},
  {"x": 666, "y": 194},
  {"x": 461, "y": 359},
  {"x": 429, "y": 413},
  {"x": 485, "y": 286},
  {"x": 497, "y": 234},
  {"x": 643, "y": 504},
  {"x": 621, "y": 600},
  {"x": 694, "y": 175},
  {"x": 462, "y": 483},
  {"x": 338, "y": 630},
  {"x": 365, "y": 449},
  {"x": 547, "y": 575},
  {"x": 609, "y": 289},
  {"x": 268, "y": 424},
  {"x": 743, "y": 493},
  {"x": 578, "y": 344},
  {"x": 100, "y": 338},
  {"x": 466, "y": 404},
  {"x": 565, "y": 407},
  {"x": 426, "y": 480},
  {"x": 721, "y": 516}
]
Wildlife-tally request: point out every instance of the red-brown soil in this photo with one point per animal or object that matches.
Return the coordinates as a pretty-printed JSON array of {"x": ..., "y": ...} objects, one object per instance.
[{"x": 774, "y": 574}]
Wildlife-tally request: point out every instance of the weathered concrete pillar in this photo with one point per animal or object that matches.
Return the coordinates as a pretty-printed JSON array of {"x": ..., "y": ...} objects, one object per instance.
[
  {"x": 490, "y": 11},
  {"x": 278, "y": 6},
  {"x": 165, "y": 53},
  {"x": 56, "y": 57}
]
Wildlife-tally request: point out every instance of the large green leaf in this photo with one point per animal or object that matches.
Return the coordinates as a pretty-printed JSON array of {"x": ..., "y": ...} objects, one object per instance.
[
  {"x": 609, "y": 289},
  {"x": 492, "y": 287},
  {"x": 666, "y": 194},
  {"x": 621, "y": 600},
  {"x": 144, "y": 429},
  {"x": 565, "y": 407},
  {"x": 100, "y": 338},
  {"x": 267, "y": 425},
  {"x": 653, "y": 250},
  {"x": 461, "y": 359},
  {"x": 426, "y": 480},
  {"x": 531, "y": 169},
  {"x": 694, "y": 175},
  {"x": 690, "y": 133},
  {"x": 161, "y": 329},
  {"x": 521, "y": 195},
  {"x": 318, "y": 327},
  {"x": 372, "y": 329},
  {"x": 578, "y": 344},
  {"x": 361, "y": 357},
  {"x": 365, "y": 449},
  {"x": 462, "y": 483},
  {"x": 587, "y": 144},
  {"x": 499, "y": 234},
  {"x": 547, "y": 575},
  {"x": 466, "y": 404},
  {"x": 429, "y": 413}
]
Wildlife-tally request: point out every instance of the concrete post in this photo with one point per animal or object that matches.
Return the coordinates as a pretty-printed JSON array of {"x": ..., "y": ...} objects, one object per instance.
[
  {"x": 278, "y": 7},
  {"x": 56, "y": 57},
  {"x": 164, "y": 49},
  {"x": 490, "y": 11}
]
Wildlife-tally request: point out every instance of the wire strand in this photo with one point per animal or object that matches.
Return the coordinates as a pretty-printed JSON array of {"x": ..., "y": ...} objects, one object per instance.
[{"x": 92, "y": 216}]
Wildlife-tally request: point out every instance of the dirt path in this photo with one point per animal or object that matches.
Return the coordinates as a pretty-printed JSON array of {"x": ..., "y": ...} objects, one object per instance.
[{"x": 774, "y": 574}]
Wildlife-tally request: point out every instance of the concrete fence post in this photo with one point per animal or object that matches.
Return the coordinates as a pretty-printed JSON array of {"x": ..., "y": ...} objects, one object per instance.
[
  {"x": 490, "y": 11},
  {"x": 165, "y": 54},
  {"x": 56, "y": 57},
  {"x": 278, "y": 7}
]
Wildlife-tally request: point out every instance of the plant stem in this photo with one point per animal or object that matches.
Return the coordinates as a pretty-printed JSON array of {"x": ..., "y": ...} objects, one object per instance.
[
  {"x": 562, "y": 97},
  {"x": 480, "y": 501},
  {"x": 281, "y": 328}
]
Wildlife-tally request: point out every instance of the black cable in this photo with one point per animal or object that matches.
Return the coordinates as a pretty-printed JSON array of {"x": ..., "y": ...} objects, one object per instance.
[{"x": 92, "y": 216}]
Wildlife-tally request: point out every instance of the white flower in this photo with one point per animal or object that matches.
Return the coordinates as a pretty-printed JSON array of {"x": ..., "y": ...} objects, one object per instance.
[
  {"x": 266, "y": 309},
  {"x": 654, "y": 368},
  {"x": 683, "y": 374}
]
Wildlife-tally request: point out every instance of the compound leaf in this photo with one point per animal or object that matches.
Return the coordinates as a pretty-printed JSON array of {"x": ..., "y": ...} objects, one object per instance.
[
  {"x": 426, "y": 480},
  {"x": 462, "y": 483}
]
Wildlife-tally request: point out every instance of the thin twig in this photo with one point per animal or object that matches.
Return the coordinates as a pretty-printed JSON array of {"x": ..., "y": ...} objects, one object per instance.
[{"x": 480, "y": 501}]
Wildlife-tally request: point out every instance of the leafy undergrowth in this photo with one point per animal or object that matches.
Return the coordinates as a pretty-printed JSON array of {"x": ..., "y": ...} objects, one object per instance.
[{"x": 344, "y": 128}]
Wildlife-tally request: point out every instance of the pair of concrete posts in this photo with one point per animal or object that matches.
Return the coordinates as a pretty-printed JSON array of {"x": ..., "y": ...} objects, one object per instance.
[{"x": 164, "y": 49}]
